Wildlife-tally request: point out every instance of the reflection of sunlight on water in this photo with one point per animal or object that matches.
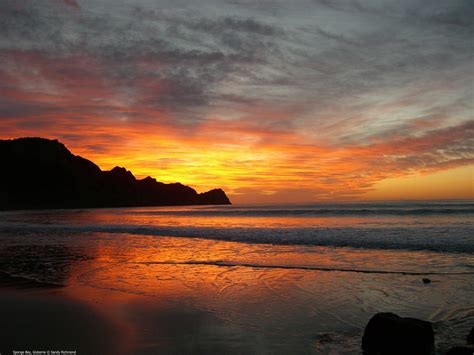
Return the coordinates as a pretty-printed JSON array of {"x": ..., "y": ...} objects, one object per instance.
[
  {"x": 450, "y": 232},
  {"x": 166, "y": 292},
  {"x": 229, "y": 217},
  {"x": 135, "y": 248},
  {"x": 290, "y": 304}
]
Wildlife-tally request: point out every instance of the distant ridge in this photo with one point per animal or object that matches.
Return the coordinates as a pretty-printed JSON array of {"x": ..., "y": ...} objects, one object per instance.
[{"x": 38, "y": 173}]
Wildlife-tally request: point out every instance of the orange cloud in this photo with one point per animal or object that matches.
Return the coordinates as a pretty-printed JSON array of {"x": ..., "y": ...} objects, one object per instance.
[{"x": 250, "y": 166}]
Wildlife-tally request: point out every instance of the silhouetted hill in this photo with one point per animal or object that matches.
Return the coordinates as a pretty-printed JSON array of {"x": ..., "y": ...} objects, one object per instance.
[{"x": 41, "y": 173}]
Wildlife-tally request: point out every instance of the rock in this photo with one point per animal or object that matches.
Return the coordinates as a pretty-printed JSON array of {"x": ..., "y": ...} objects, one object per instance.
[
  {"x": 213, "y": 197},
  {"x": 389, "y": 334},
  {"x": 426, "y": 281},
  {"x": 470, "y": 336},
  {"x": 39, "y": 173},
  {"x": 460, "y": 350}
]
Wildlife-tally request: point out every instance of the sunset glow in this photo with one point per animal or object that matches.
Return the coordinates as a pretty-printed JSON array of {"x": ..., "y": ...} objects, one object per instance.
[{"x": 267, "y": 105}]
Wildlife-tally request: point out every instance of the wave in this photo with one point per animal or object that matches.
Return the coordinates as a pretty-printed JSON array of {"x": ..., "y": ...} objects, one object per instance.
[
  {"x": 285, "y": 210},
  {"x": 455, "y": 239},
  {"x": 298, "y": 267},
  {"x": 330, "y": 209},
  {"x": 311, "y": 212}
]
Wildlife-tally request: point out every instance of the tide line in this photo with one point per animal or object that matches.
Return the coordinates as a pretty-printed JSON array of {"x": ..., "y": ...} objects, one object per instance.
[{"x": 297, "y": 267}]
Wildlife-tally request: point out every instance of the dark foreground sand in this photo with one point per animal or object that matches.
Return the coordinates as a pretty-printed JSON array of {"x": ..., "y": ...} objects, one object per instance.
[
  {"x": 33, "y": 320},
  {"x": 38, "y": 317}
]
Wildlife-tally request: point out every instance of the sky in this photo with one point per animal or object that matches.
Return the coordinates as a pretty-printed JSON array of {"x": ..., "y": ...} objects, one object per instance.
[{"x": 273, "y": 101}]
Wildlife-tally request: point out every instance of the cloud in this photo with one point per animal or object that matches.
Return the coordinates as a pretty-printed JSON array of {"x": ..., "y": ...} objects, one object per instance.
[
  {"x": 364, "y": 87},
  {"x": 72, "y": 3}
]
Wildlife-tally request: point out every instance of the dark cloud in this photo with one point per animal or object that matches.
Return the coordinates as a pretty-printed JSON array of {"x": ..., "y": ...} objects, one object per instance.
[
  {"x": 234, "y": 24},
  {"x": 168, "y": 61}
]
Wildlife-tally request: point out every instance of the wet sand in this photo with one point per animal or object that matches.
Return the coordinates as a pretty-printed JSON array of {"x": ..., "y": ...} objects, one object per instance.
[
  {"x": 45, "y": 320},
  {"x": 126, "y": 294},
  {"x": 44, "y": 317}
]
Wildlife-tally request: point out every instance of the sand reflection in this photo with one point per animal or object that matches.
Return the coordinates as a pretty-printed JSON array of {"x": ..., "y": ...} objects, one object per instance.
[{"x": 245, "y": 292}]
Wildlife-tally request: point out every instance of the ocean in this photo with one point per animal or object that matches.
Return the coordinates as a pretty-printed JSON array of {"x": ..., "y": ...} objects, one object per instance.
[{"x": 300, "y": 278}]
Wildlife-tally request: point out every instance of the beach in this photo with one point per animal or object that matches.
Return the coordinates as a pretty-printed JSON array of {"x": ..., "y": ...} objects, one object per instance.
[
  {"x": 236, "y": 177},
  {"x": 231, "y": 279}
]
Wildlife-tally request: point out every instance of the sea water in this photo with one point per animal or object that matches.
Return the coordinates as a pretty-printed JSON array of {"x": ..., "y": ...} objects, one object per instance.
[{"x": 274, "y": 278}]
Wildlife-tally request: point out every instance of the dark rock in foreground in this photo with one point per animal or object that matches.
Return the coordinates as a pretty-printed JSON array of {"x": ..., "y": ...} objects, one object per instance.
[
  {"x": 40, "y": 173},
  {"x": 389, "y": 334}
]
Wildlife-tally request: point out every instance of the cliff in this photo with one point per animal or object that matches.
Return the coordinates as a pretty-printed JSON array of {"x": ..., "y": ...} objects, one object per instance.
[{"x": 39, "y": 173}]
